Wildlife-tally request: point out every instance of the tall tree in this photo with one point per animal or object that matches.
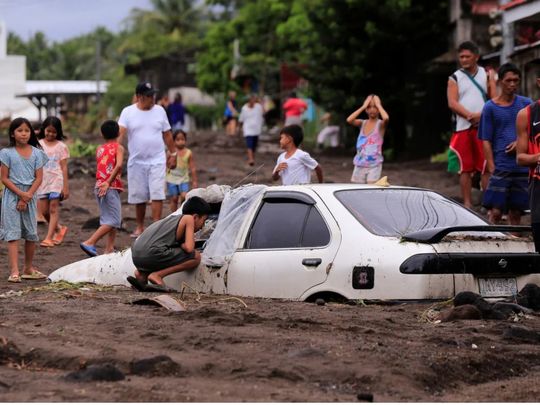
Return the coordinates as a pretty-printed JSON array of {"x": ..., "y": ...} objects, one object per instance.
[
  {"x": 346, "y": 49},
  {"x": 172, "y": 26},
  {"x": 349, "y": 49},
  {"x": 254, "y": 26}
]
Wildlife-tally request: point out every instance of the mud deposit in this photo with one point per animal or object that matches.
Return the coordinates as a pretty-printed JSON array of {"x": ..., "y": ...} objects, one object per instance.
[{"x": 63, "y": 343}]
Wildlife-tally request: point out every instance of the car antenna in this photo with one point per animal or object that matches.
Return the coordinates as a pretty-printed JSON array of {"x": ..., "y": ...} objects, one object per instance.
[{"x": 249, "y": 174}]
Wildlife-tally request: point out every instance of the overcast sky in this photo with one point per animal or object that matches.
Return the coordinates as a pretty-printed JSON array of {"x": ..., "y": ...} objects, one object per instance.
[{"x": 62, "y": 19}]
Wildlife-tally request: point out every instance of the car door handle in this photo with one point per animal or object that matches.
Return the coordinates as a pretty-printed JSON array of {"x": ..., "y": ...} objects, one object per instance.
[{"x": 312, "y": 262}]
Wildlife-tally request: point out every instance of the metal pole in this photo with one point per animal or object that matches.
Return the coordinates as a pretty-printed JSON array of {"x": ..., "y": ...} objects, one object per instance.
[
  {"x": 98, "y": 69},
  {"x": 508, "y": 36}
]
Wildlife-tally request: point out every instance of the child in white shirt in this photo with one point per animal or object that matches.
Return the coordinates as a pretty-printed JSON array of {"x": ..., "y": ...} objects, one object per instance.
[{"x": 294, "y": 166}]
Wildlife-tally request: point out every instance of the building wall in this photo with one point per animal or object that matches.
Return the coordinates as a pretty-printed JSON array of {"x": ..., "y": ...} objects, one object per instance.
[{"x": 12, "y": 82}]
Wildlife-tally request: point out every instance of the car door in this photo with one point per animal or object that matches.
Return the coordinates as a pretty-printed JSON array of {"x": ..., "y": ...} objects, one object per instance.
[{"x": 289, "y": 247}]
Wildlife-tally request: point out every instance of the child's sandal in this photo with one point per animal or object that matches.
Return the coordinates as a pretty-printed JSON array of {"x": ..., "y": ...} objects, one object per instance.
[
  {"x": 47, "y": 243},
  {"x": 14, "y": 279}
]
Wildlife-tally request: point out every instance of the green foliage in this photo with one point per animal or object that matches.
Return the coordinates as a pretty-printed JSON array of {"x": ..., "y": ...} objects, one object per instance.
[
  {"x": 440, "y": 157},
  {"x": 120, "y": 91},
  {"x": 173, "y": 26},
  {"x": 254, "y": 24},
  {"x": 205, "y": 116},
  {"x": 79, "y": 148},
  {"x": 350, "y": 49}
]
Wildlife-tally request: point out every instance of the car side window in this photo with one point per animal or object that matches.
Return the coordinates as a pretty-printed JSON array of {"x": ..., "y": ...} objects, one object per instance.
[
  {"x": 287, "y": 224},
  {"x": 316, "y": 232}
]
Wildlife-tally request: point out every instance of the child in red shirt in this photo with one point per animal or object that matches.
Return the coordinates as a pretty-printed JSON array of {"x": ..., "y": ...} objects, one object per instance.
[{"x": 109, "y": 157}]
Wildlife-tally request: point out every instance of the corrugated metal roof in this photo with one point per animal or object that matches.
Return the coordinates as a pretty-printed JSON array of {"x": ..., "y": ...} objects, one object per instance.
[{"x": 43, "y": 87}]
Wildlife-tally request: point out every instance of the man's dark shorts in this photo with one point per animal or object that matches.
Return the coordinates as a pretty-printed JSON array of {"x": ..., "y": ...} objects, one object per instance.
[
  {"x": 507, "y": 191},
  {"x": 159, "y": 258}
]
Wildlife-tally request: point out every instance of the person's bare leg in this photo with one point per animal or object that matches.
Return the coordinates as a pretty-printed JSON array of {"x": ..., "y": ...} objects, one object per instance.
[
  {"x": 465, "y": 183},
  {"x": 54, "y": 206},
  {"x": 111, "y": 237},
  {"x": 494, "y": 215},
  {"x": 29, "y": 250},
  {"x": 251, "y": 156},
  {"x": 141, "y": 276},
  {"x": 182, "y": 197},
  {"x": 140, "y": 212},
  {"x": 13, "y": 257},
  {"x": 157, "y": 276},
  {"x": 43, "y": 210},
  {"x": 174, "y": 203},
  {"x": 98, "y": 234},
  {"x": 231, "y": 127},
  {"x": 514, "y": 217},
  {"x": 157, "y": 207},
  {"x": 40, "y": 210}
]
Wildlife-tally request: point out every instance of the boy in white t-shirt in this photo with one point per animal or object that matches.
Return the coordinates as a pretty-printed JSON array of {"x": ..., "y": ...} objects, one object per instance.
[{"x": 294, "y": 166}]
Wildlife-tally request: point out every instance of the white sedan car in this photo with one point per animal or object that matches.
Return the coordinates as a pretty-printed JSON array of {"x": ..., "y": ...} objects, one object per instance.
[{"x": 343, "y": 240}]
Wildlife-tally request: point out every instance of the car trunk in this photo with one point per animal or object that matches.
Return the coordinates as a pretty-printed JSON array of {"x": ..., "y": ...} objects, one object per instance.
[{"x": 493, "y": 265}]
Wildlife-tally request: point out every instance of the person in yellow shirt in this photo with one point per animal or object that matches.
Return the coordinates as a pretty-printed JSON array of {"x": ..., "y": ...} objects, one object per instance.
[{"x": 184, "y": 177}]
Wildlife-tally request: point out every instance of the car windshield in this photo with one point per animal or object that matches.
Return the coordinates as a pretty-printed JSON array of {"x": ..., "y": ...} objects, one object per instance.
[{"x": 396, "y": 212}]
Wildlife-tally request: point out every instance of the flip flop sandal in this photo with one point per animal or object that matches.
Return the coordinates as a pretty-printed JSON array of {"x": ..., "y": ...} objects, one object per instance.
[
  {"x": 14, "y": 279},
  {"x": 46, "y": 243},
  {"x": 59, "y": 236},
  {"x": 135, "y": 235},
  {"x": 89, "y": 250},
  {"x": 159, "y": 288},
  {"x": 136, "y": 283},
  {"x": 35, "y": 275}
]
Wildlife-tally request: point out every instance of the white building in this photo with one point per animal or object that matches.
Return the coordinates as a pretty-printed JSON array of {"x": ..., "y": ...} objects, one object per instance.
[{"x": 13, "y": 82}]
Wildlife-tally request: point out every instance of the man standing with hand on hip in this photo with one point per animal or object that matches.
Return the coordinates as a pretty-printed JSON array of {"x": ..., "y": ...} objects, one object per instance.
[
  {"x": 148, "y": 134},
  {"x": 468, "y": 90},
  {"x": 507, "y": 188}
]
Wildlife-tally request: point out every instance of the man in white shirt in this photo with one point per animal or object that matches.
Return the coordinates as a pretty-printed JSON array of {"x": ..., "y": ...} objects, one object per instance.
[
  {"x": 252, "y": 119},
  {"x": 294, "y": 166},
  {"x": 148, "y": 133}
]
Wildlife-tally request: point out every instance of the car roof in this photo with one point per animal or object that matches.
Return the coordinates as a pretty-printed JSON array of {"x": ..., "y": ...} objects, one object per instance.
[{"x": 337, "y": 186}]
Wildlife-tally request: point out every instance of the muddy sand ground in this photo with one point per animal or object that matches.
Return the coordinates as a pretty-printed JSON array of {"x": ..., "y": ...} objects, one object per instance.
[{"x": 224, "y": 349}]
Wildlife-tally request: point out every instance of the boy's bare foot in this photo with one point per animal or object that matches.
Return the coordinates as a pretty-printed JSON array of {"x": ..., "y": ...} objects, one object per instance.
[
  {"x": 33, "y": 274},
  {"x": 155, "y": 279},
  {"x": 136, "y": 233}
]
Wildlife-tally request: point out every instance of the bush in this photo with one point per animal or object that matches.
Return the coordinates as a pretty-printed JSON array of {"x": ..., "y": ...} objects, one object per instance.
[
  {"x": 80, "y": 148},
  {"x": 205, "y": 116}
]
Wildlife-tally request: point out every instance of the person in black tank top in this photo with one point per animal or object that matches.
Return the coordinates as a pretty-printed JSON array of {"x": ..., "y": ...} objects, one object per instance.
[
  {"x": 168, "y": 245},
  {"x": 528, "y": 154}
]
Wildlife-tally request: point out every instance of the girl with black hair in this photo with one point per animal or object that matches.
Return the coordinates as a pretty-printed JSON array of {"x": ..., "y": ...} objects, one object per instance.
[
  {"x": 21, "y": 171},
  {"x": 54, "y": 187}
]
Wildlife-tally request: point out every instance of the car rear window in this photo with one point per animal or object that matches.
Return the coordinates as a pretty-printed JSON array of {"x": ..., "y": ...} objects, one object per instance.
[{"x": 396, "y": 212}]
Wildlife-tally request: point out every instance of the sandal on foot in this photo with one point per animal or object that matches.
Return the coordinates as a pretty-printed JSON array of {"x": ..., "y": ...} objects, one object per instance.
[
  {"x": 89, "y": 250},
  {"x": 138, "y": 285},
  {"x": 46, "y": 243},
  {"x": 14, "y": 279},
  {"x": 151, "y": 287},
  {"x": 58, "y": 237},
  {"x": 35, "y": 275}
]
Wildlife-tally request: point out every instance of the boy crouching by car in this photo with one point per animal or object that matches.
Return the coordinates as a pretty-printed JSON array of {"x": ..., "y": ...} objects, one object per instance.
[{"x": 168, "y": 245}]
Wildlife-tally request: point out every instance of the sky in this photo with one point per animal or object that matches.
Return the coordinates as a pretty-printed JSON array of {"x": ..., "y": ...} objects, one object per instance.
[{"x": 63, "y": 19}]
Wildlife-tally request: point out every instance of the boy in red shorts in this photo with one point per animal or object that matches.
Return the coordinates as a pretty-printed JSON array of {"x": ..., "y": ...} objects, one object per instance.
[{"x": 468, "y": 89}]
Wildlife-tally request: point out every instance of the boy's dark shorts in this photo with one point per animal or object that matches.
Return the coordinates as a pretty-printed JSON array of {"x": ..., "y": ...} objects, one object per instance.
[
  {"x": 507, "y": 191},
  {"x": 159, "y": 258},
  {"x": 251, "y": 142}
]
